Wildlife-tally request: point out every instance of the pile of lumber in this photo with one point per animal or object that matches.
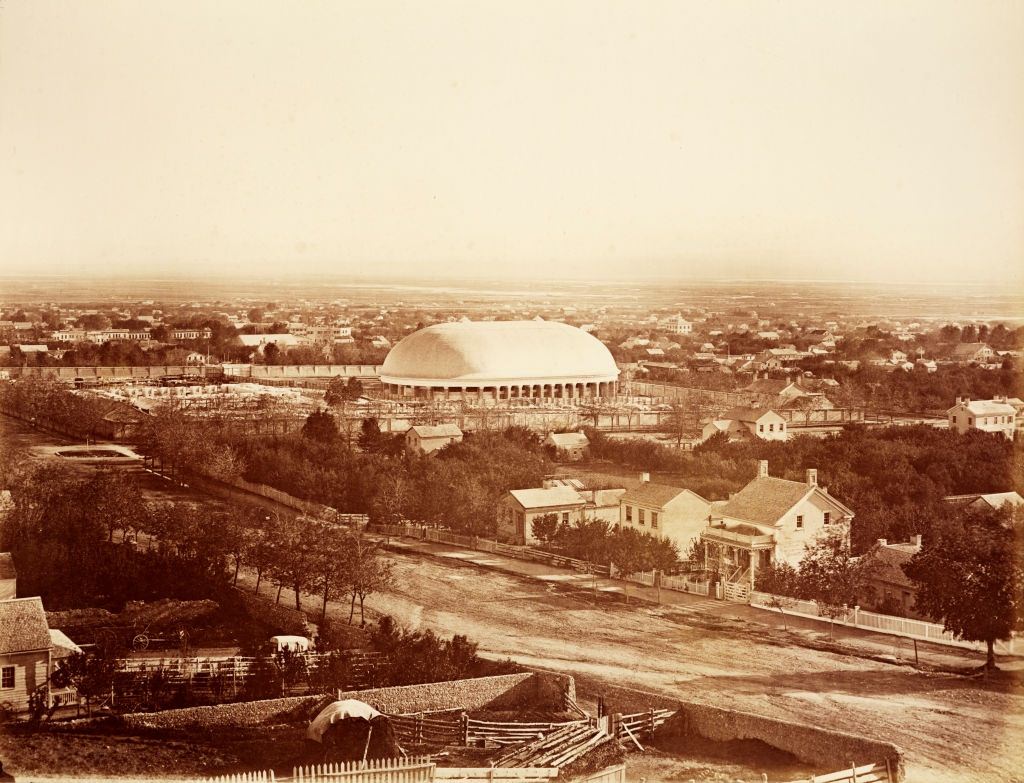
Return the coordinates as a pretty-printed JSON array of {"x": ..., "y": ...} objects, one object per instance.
[{"x": 556, "y": 749}]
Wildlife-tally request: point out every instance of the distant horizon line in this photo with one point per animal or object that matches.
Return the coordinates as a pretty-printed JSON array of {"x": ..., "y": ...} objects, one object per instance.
[{"x": 385, "y": 278}]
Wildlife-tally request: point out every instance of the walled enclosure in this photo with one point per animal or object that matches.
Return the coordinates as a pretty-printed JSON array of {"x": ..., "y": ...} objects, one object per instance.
[
  {"x": 831, "y": 750},
  {"x": 507, "y": 691}
]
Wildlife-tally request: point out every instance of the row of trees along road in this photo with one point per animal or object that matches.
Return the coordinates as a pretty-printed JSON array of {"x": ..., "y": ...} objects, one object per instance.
[
  {"x": 73, "y": 540},
  {"x": 969, "y": 576}
]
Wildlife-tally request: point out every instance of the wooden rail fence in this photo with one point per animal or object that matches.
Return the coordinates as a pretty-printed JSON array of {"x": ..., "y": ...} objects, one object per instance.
[{"x": 878, "y": 772}]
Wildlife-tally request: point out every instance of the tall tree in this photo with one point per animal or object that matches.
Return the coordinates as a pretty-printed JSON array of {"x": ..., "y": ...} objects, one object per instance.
[
  {"x": 970, "y": 579},
  {"x": 367, "y": 572},
  {"x": 830, "y": 575}
]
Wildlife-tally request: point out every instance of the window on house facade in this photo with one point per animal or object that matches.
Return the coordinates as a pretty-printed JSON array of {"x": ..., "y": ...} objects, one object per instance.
[
  {"x": 654, "y": 519},
  {"x": 760, "y": 428},
  {"x": 799, "y": 521},
  {"x": 640, "y": 516},
  {"x": 827, "y": 517},
  {"x": 629, "y": 513},
  {"x": 771, "y": 428},
  {"x": 7, "y": 677},
  {"x": 565, "y": 517},
  {"x": 970, "y": 420}
]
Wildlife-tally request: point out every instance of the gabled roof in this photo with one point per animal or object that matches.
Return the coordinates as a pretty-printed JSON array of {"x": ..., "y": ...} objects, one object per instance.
[
  {"x": 747, "y": 414},
  {"x": 426, "y": 431},
  {"x": 569, "y": 440},
  {"x": 885, "y": 563},
  {"x": 769, "y": 386},
  {"x": 657, "y": 495},
  {"x": 23, "y": 626},
  {"x": 994, "y": 499},
  {"x": 547, "y": 498},
  {"x": 986, "y": 408},
  {"x": 766, "y": 500},
  {"x": 7, "y": 569},
  {"x": 968, "y": 349}
]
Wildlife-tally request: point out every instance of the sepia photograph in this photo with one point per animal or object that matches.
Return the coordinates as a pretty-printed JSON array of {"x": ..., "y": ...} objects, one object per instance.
[{"x": 474, "y": 391}]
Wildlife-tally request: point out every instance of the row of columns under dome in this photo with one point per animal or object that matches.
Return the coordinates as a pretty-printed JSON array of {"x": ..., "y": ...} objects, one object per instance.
[{"x": 501, "y": 392}]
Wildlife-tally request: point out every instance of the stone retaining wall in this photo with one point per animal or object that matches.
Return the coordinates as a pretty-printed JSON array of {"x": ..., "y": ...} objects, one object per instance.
[{"x": 506, "y": 691}]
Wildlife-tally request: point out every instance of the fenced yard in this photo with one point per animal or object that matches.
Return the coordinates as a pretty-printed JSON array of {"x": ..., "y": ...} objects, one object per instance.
[
  {"x": 871, "y": 621},
  {"x": 147, "y": 683}
]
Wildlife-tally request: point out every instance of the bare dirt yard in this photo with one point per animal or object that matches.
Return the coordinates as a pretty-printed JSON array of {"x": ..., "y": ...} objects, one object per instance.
[{"x": 952, "y": 728}]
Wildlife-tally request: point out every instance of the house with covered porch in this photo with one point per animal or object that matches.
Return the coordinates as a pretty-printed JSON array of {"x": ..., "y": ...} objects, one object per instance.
[{"x": 770, "y": 520}]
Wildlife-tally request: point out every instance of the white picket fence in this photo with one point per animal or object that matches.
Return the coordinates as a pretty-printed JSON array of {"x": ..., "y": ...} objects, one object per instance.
[
  {"x": 683, "y": 585},
  {"x": 414, "y": 769},
  {"x": 261, "y": 776},
  {"x": 872, "y": 621}
]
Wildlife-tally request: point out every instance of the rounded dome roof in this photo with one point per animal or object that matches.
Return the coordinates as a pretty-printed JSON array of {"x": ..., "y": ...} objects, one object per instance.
[{"x": 481, "y": 351}]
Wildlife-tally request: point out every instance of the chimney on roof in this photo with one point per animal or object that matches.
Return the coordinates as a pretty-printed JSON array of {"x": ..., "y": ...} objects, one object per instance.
[
  {"x": 762, "y": 468},
  {"x": 882, "y": 542},
  {"x": 645, "y": 478},
  {"x": 812, "y": 477},
  {"x": 963, "y": 400}
]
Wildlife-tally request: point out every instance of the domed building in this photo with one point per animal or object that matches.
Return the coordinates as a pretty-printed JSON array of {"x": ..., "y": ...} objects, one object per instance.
[{"x": 498, "y": 361}]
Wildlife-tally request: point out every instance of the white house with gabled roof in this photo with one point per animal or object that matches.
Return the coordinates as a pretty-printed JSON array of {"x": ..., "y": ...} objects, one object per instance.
[
  {"x": 770, "y": 520},
  {"x": 996, "y": 415},
  {"x": 665, "y": 512},
  {"x": 518, "y": 509}
]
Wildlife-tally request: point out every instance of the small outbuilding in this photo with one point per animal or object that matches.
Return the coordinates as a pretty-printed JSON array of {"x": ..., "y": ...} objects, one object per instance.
[
  {"x": 569, "y": 446},
  {"x": 426, "y": 439}
]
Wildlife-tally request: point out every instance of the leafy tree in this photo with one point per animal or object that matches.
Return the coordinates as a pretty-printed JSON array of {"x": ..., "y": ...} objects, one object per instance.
[
  {"x": 782, "y": 582},
  {"x": 830, "y": 576},
  {"x": 366, "y": 572},
  {"x": 371, "y": 439},
  {"x": 545, "y": 528},
  {"x": 331, "y": 563},
  {"x": 91, "y": 675},
  {"x": 970, "y": 578},
  {"x": 321, "y": 426}
]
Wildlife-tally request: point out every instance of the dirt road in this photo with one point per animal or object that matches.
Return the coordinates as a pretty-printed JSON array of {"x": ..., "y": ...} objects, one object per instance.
[{"x": 952, "y": 728}]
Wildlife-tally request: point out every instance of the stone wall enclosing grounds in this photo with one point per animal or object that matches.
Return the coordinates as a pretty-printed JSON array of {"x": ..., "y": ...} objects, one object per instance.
[{"x": 506, "y": 691}]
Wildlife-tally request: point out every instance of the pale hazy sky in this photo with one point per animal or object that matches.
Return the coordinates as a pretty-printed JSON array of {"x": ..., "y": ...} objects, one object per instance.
[{"x": 837, "y": 140}]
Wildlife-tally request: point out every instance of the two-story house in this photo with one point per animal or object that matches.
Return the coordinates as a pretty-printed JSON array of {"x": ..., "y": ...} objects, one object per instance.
[
  {"x": 740, "y": 423},
  {"x": 770, "y": 520},
  {"x": 996, "y": 415},
  {"x": 666, "y": 512},
  {"x": 518, "y": 509}
]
